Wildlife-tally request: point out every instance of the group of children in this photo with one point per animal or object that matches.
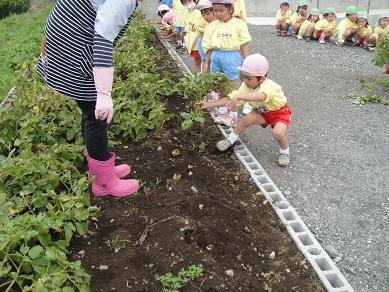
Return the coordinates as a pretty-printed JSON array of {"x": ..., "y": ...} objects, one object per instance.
[
  {"x": 354, "y": 28},
  {"x": 216, "y": 37}
]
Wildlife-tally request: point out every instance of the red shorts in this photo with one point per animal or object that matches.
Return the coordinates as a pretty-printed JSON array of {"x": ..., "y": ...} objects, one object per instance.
[
  {"x": 195, "y": 54},
  {"x": 318, "y": 34},
  {"x": 279, "y": 116}
]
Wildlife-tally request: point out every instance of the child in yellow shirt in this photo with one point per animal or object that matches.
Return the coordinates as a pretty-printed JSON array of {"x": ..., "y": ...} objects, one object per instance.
[
  {"x": 205, "y": 7},
  {"x": 283, "y": 18},
  {"x": 364, "y": 30},
  {"x": 325, "y": 27},
  {"x": 298, "y": 17},
  {"x": 240, "y": 10},
  {"x": 179, "y": 25},
  {"x": 269, "y": 103},
  {"x": 226, "y": 40},
  {"x": 191, "y": 18},
  {"x": 306, "y": 28},
  {"x": 167, "y": 21},
  {"x": 348, "y": 26},
  {"x": 382, "y": 30}
]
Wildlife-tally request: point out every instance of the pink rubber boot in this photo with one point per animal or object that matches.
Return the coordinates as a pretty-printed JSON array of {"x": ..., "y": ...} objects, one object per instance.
[
  {"x": 107, "y": 182},
  {"x": 121, "y": 170}
]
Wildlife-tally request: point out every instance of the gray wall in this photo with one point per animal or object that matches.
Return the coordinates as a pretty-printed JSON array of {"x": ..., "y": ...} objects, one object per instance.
[{"x": 269, "y": 7}]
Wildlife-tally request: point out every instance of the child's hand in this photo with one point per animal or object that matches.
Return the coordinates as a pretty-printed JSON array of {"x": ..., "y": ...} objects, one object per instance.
[
  {"x": 232, "y": 103},
  {"x": 205, "y": 104}
]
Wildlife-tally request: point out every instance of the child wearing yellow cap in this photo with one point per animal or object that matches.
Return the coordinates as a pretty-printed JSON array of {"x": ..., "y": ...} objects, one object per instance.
[
  {"x": 270, "y": 107},
  {"x": 306, "y": 28},
  {"x": 325, "y": 27},
  {"x": 192, "y": 17},
  {"x": 283, "y": 18},
  {"x": 240, "y": 10},
  {"x": 299, "y": 17},
  {"x": 348, "y": 26}
]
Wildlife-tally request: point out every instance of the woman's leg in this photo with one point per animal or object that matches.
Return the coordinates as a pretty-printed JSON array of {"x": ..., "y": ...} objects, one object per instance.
[{"x": 95, "y": 132}]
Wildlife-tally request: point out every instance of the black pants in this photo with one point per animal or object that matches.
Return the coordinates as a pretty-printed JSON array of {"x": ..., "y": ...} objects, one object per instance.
[{"x": 94, "y": 132}]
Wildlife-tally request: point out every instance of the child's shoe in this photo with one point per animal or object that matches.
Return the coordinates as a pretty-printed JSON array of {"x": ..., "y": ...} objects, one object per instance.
[
  {"x": 371, "y": 48},
  {"x": 229, "y": 120},
  {"x": 283, "y": 160},
  {"x": 278, "y": 33},
  {"x": 308, "y": 39},
  {"x": 284, "y": 33},
  {"x": 322, "y": 41},
  {"x": 223, "y": 145}
]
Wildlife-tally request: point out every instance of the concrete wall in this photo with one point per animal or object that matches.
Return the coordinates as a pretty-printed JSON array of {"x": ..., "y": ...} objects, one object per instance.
[{"x": 269, "y": 7}]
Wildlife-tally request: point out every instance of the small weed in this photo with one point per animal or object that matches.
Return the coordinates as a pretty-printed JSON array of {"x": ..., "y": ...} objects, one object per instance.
[
  {"x": 172, "y": 283},
  {"x": 368, "y": 94},
  {"x": 116, "y": 244}
]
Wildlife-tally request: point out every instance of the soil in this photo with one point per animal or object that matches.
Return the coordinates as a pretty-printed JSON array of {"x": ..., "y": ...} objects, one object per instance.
[{"x": 213, "y": 215}]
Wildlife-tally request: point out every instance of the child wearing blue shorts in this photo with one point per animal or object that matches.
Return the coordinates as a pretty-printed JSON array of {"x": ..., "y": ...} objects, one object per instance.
[{"x": 226, "y": 42}]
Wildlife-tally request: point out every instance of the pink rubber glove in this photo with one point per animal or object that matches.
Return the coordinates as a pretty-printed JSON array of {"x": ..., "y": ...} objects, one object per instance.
[{"x": 103, "y": 81}]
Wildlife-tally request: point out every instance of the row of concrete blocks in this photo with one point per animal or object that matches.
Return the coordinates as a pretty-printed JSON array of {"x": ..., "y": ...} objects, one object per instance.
[{"x": 329, "y": 274}]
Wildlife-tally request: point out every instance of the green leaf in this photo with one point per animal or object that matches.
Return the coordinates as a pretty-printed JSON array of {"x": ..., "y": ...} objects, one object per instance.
[
  {"x": 70, "y": 133},
  {"x": 201, "y": 120},
  {"x": 187, "y": 124},
  {"x": 82, "y": 228},
  {"x": 67, "y": 289},
  {"x": 35, "y": 251},
  {"x": 186, "y": 116}
]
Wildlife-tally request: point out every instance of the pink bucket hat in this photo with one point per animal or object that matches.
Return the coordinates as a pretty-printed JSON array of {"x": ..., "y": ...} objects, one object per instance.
[
  {"x": 255, "y": 65},
  {"x": 204, "y": 4},
  {"x": 163, "y": 7},
  {"x": 232, "y": 2},
  {"x": 168, "y": 17}
]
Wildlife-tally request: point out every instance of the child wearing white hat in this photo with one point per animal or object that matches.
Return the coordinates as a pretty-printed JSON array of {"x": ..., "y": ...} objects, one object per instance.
[
  {"x": 283, "y": 18},
  {"x": 270, "y": 107}
]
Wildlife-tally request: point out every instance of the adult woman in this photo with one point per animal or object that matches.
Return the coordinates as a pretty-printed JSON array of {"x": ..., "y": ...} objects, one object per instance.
[{"x": 76, "y": 60}]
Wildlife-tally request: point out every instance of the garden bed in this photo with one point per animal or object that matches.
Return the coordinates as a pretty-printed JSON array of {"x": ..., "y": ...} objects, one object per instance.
[{"x": 197, "y": 208}]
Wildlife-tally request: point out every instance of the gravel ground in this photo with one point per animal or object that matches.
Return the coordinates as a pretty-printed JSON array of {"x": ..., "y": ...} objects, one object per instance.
[{"x": 338, "y": 177}]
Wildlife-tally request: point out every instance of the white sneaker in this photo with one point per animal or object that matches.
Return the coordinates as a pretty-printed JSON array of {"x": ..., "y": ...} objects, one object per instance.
[
  {"x": 223, "y": 145},
  {"x": 283, "y": 160},
  {"x": 247, "y": 108}
]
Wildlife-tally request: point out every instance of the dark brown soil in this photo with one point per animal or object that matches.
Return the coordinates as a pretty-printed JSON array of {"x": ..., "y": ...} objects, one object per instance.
[{"x": 214, "y": 216}]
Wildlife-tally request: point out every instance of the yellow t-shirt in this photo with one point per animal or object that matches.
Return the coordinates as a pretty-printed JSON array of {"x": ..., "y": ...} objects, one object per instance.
[
  {"x": 344, "y": 25},
  {"x": 303, "y": 28},
  {"x": 363, "y": 32},
  {"x": 381, "y": 31},
  {"x": 275, "y": 97},
  {"x": 202, "y": 25},
  {"x": 191, "y": 19},
  {"x": 325, "y": 24},
  {"x": 285, "y": 18},
  {"x": 226, "y": 35},
  {"x": 295, "y": 17},
  {"x": 240, "y": 9},
  {"x": 179, "y": 12}
]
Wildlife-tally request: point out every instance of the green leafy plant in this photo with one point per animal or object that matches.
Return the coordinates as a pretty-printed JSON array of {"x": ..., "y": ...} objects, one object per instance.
[
  {"x": 381, "y": 53},
  {"x": 172, "y": 283},
  {"x": 8, "y": 7},
  {"x": 196, "y": 89}
]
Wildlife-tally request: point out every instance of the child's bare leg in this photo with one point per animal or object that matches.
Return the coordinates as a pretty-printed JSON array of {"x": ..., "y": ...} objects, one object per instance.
[
  {"x": 280, "y": 134},
  {"x": 197, "y": 65},
  {"x": 253, "y": 118}
]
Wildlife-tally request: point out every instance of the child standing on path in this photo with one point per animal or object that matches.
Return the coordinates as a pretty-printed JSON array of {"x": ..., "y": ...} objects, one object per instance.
[
  {"x": 226, "y": 40},
  {"x": 205, "y": 7},
  {"x": 179, "y": 25},
  {"x": 325, "y": 27},
  {"x": 240, "y": 10},
  {"x": 283, "y": 18},
  {"x": 269, "y": 103},
  {"x": 306, "y": 29},
  {"x": 348, "y": 26},
  {"x": 299, "y": 16},
  {"x": 191, "y": 19}
]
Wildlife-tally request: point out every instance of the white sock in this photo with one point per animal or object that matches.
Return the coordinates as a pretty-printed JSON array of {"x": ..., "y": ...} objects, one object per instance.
[
  {"x": 323, "y": 35},
  {"x": 232, "y": 137},
  {"x": 283, "y": 151}
]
